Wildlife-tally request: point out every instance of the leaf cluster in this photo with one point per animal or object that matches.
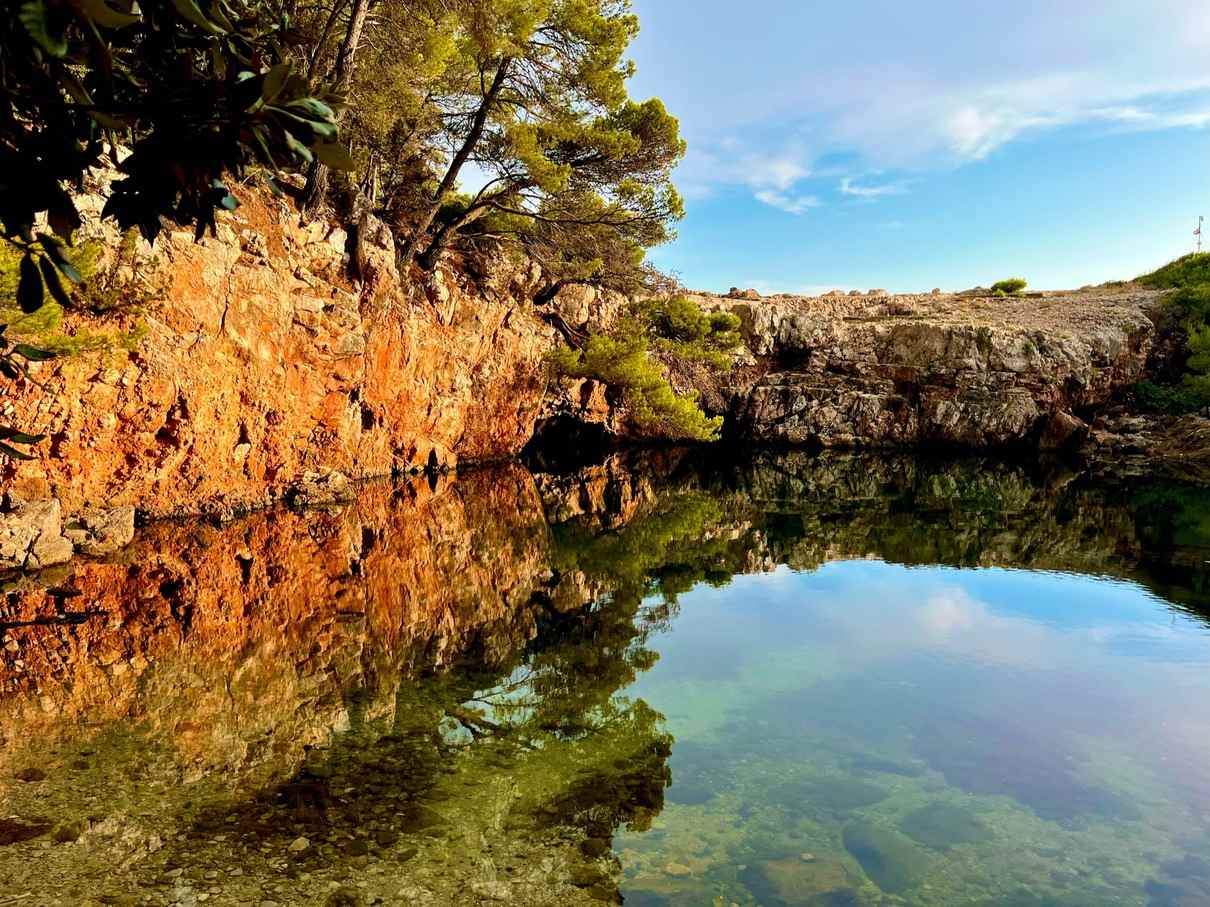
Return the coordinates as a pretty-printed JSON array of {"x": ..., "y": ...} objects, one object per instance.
[
  {"x": 622, "y": 359},
  {"x": 1188, "y": 271},
  {"x": 1187, "y": 310},
  {"x": 625, "y": 363},
  {"x": 682, "y": 329}
]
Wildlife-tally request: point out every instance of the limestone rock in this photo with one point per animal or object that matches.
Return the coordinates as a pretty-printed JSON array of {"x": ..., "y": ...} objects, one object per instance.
[
  {"x": 875, "y": 371},
  {"x": 492, "y": 891},
  {"x": 31, "y": 536},
  {"x": 376, "y": 252},
  {"x": 99, "y": 532},
  {"x": 316, "y": 489}
]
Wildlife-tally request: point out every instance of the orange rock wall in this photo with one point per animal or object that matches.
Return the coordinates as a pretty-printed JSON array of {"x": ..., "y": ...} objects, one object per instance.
[{"x": 265, "y": 364}]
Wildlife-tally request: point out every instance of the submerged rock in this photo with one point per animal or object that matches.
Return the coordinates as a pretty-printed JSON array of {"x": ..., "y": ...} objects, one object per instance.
[
  {"x": 791, "y": 881},
  {"x": 839, "y": 795},
  {"x": 889, "y": 858},
  {"x": 943, "y": 825},
  {"x": 14, "y": 831},
  {"x": 689, "y": 794}
]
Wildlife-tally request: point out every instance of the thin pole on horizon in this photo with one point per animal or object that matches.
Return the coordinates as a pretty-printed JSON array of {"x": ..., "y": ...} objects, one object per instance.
[{"x": 1198, "y": 233}]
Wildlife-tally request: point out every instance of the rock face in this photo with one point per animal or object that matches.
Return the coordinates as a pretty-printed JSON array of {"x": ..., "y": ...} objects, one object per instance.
[
  {"x": 264, "y": 365},
  {"x": 883, "y": 371},
  {"x": 264, "y": 370}
]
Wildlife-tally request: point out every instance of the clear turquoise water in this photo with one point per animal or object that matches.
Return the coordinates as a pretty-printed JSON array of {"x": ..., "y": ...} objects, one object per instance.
[
  {"x": 867, "y": 732},
  {"x": 791, "y": 680}
]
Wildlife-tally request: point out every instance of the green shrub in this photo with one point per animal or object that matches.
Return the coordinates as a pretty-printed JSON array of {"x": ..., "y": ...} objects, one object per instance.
[
  {"x": 1172, "y": 400},
  {"x": 624, "y": 362},
  {"x": 98, "y": 292},
  {"x": 1188, "y": 271},
  {"x": 1013, "y": 286},
  {"x": 1187, "y": 310},
  {"x": 680, "y": 327},
  {"x": 622, "y": 359}
]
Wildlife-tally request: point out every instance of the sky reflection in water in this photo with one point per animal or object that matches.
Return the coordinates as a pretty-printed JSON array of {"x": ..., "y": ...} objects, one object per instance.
[{"x": 1022, "y": 737}]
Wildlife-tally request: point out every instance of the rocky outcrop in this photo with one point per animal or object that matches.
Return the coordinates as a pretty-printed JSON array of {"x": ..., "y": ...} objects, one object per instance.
[
  {"x": 34, "y": 534},
  {"x": 31, "y": 535},
  {"x": 278, "y": 361},
  {"x": 886, "y": 371},
  {"x": 263, "y": 364}
]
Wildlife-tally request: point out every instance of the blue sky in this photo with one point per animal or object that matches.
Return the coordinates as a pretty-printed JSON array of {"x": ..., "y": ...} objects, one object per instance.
[{"x": 934, "y": 143}]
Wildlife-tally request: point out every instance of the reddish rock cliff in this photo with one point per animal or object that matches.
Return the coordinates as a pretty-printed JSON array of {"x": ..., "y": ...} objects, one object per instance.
[{"x": 264, "y": 364}]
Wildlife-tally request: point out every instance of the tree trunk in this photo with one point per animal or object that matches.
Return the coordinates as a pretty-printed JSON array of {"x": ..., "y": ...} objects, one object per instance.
[
  {"x": 451, "y": 175},
  {"x": 547, "y": 296},
  {"x": 428, "y": 258},
  {"x": 329, "y": 24},
  {"x": 316, "y": 191}
]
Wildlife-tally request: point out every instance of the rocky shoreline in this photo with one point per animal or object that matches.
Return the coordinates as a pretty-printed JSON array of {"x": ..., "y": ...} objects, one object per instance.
[{"x": 266, "y": 372}]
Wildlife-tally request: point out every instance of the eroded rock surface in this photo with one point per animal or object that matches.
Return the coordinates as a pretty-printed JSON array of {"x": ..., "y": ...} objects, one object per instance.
[
  {"x": 262, "y": 363},
  {"x": 879, "y": 371}
]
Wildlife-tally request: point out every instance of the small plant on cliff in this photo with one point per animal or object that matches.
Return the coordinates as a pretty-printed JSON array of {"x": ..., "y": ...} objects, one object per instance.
[
  {"x": 624, "y": 362},
  {"x": 622, "y": 359},
  {"x": 1013, "y": 286},
  {"x": 679, "y": 327}
]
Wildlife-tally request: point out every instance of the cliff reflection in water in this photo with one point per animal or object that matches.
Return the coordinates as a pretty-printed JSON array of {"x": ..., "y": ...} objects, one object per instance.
[{"x": 421, "y": 696}]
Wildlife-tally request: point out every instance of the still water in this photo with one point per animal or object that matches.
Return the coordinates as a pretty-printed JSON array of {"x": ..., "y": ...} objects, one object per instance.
[{"x": 794, "y": 680}]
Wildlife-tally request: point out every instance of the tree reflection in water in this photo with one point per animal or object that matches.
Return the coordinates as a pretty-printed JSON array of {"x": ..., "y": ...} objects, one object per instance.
[{"x": 423, "y": 697}]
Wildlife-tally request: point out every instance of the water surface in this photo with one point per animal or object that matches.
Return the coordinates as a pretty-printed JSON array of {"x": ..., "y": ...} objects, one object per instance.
[{"x": 791, "y": 680}]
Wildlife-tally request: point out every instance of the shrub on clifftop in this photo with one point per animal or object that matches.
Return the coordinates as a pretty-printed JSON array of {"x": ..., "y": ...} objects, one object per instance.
[
  {"x": 1013, "y": 286},
  {"x": 682, "y": 329},
  {"x": 1188, "y": 271},
  {"x": 1185, "y": 311}
]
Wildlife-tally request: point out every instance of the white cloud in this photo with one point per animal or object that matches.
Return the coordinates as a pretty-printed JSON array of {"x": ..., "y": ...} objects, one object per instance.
[
  {"x": 771, "y": 177},
  {"x": 849, "y": 186},
  {"x": 929, "y": 83},
  {"x": 791, "y": 204}
]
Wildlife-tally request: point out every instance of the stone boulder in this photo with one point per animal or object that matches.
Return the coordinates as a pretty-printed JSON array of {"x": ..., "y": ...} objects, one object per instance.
[
  {"x": 316, "y": 489},
  {"x": 31, "y": 535},
  {"x": 99, "y": 532}
]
